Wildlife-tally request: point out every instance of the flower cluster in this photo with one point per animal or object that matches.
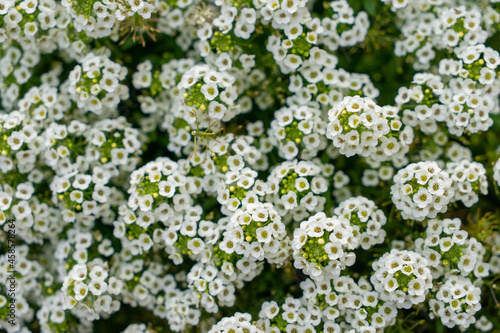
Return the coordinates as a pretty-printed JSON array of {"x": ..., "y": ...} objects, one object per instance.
[
  {"x": 256, "y": 232},
  {"x": 321, "y": 246},
  {"x": 291, "y": 315},
  {"x": 299, "y": 129},
  {"x": 469, "y": 180},
  {"x": 450, "y": 250},
  {"x": 356, "y": 126},
  {"x": 259, "y": 166},
  {"x": 202, "y": 101},
  {"x": 422, "y": 190},
  {"x": 456, "y": 302},
  {"x": 95, "y": 84},
  {"x": 240, "y": 322},
  {"x": 462, "y": 96},
  {"x": 366, "y": 219},
  {"x": 402, "y": 277}
]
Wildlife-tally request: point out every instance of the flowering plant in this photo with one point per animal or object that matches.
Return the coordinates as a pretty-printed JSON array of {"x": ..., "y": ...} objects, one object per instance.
[{"x": 249, "y": 166}]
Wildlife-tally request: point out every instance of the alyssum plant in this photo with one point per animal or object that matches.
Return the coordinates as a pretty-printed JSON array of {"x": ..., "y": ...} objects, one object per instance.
[{"x": 250, "y": 166}]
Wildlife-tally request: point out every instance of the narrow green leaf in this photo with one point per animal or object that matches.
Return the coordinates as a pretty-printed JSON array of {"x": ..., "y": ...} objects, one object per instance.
[{"x": 370, "y": 6}]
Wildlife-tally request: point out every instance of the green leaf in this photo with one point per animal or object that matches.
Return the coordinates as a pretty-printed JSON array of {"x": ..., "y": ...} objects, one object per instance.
[
  {"x": 439, "y": 326},
  {"x": 370, "y": 6},
  {"x": 355, "y": 4}
]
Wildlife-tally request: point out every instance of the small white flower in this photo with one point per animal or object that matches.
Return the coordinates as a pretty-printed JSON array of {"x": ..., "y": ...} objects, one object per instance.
[
  {"x": 81, "y": 290},
  {"x": 289, "y": 200},
  {"x": 15, "y": 140},
  {"x": 82, "y": 182},
  {"x": 216, "y": 110},
  {"x": 119, "y": 156},
  {"x": 293, "y": 61},
  {"x": 210, "y": 91}
]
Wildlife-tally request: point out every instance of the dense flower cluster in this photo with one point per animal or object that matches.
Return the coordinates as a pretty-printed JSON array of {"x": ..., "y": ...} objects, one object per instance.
[
  {"x": 275, "y": 166},
  {"x": 456, "y": 302},
  {"x": 366, "y": 219},
  {"x": 422, "y": 190},
  {"x": 356, "y": 126},
  {"x": 95, "y": 84},
  {"x": 469, "y": 179},
  {"x": 321, "y": 244},
  {"x": 450, "y": 250},
  {"x": 402, "y": 277}
]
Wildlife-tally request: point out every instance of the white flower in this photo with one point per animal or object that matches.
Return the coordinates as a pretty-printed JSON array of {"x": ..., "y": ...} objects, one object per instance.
[
  {"x": 29, "y": 6},
  {"x": 224, "y": 61},
  {"x": 264, "y": 234},
  {"x": 141, "y": 79},
  {"x": 136, "y": 5},
  {"x": 82, "y": 182},
  {"x": 119, "y": 156},
  {"x": 228, "y": 246},
  {"x": 216, "y": 110},
  {"x": 30, "y": 28},
  {"x": 81, "y": 290},
  {"x": 416, "y": 287},
  {"x": 5, "y": 201},
  {"x": 293, "y": 61},
  {"x": 289, "y": 200},
  {"x": 422, "y": 198},
  {"x": 15, "y": 140},
  {"x": 293, "y": 30},
  {"x": 210, "y": 91},
  {"x": 228, "y": 96},
  {"x": 334, "y": 250}
]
